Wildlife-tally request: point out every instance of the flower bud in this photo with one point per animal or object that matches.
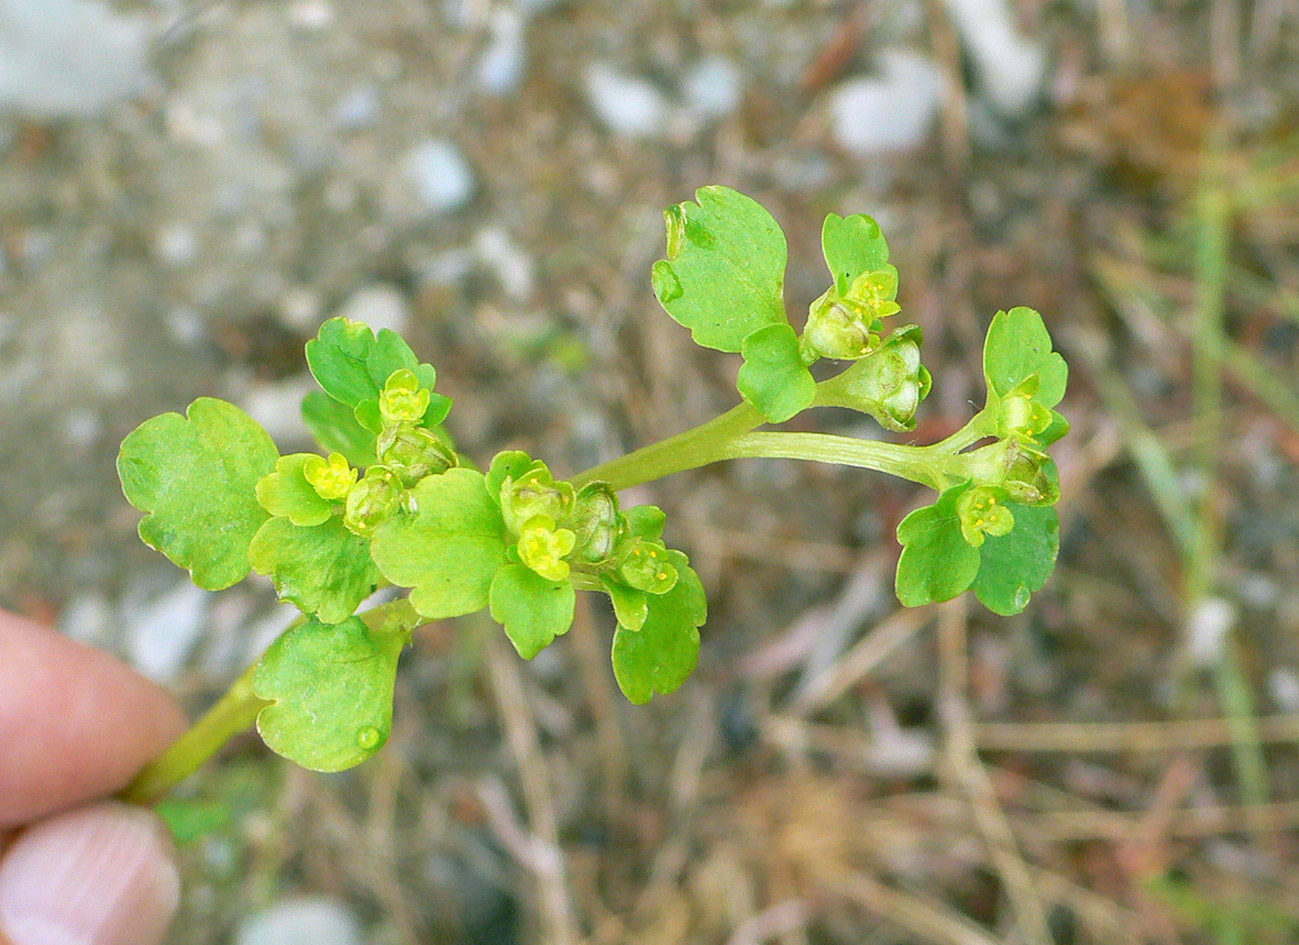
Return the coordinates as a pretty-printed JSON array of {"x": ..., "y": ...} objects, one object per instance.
[
  {"x": 1026, "y": 475},
  {"x": 1021, "y": 416},
  {"x": 332, "y": 478},
  {"x": 402, "y": 399},
  {"x": 542, "y": 547},
  {"x": 645, "y": 566},
  {"x": 534, "y": 493},
  {"x": 839, "y": 329},
  {"x": 982, "y": 511},
  {"x": 888, "y": 384},
  {"x": 413, "y": 452},
  {"x": 597, "y": 523},
  {"x": 372, "y": 501}
]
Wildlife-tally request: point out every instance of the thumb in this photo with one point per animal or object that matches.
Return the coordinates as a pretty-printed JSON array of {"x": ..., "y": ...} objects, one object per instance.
[{"x": 98, "y": 875}]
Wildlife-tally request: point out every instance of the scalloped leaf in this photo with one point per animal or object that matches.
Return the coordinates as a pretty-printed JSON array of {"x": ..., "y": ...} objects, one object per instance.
[
  {"x": 1015, "y": 566},
  {"x": 324, "y": 569},
  {"x": 1017, "y": 346},
  {"x": 937, "y": 563},
  {"x": 662, "y": 654},
  {"x": 330, "y": 687},
  {"x": 852, "y": 245},
  {"x": 195, "y": 478},
  {"x": 286, "y": 492},
  {"x": 449, "y": 549},
  {"x": 724, "y": 275},
  {"x": 335, "y": 427},
  {"x": 773, "y": 377},
  {"x": 532, "y": 610}
]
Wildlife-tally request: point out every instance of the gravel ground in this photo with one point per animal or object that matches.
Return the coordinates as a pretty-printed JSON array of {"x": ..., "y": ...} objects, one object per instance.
[{"x": 489, "y": 177}]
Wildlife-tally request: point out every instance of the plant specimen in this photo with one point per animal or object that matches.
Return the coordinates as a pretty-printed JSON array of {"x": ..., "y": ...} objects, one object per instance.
[{"x": 393, "y": 504}]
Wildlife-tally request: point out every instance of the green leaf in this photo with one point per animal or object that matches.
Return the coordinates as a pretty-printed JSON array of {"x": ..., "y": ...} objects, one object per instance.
[
  {"x": 1016, "y": 565},
  {"x": 937, "y": 563},
  {"x": 509, "y": 464},
  {"x": 532, "y": 610},
  {"x": 645, "y": 521},
  {"x": 286, "y": 492},
  {"x": 330, "y": 688},
  {"x": 1018, "y": 345},
  {"x": 852, "y": 245},
  {"x": 195, "y": 477},
  {"x": 724, "y": 275},
  {"x": 773, "y": 377},
  {"x": 1058, "y": 428},
  {"x": 449, "y": 550},
  {"x": 336, "y": 428},
  {"x": 325, "y": 569},
  {"x": 351, "y": 365},
  {"x": 662, "y": 654},
  {"x": 339, "y": 360},
  {"x": 630, "y": 605}
]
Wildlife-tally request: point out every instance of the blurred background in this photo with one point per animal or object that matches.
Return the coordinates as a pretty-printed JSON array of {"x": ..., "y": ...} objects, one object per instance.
[{"x": 187, "y": 189}]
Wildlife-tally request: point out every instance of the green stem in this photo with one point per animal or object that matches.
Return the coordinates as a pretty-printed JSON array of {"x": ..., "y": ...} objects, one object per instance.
[
  {"x": 234, "y": 712},
  {"x": 922, "y": 464},
  {"x": 687, "y": 450}
]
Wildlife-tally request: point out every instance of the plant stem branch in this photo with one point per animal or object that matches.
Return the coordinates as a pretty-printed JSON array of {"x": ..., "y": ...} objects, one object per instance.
[{"x": 234, "y": 712}]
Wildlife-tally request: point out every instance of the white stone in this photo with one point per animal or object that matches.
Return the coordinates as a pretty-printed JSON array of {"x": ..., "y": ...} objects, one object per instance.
[
  {"x": 625, "y": 104},
  {"x": 505, "y": 58},
  {"x": 89, "y": 619},
  {"x": 357, "y": 109},
  {"x": 162, "y": 632},
  {"x": 176, "y": 245},
  {"x": 308, "y": 920},
  {"x": 713, "y": 87},
  {"x": 1283, "y": 686},
  {"x": 68, "y": 58},
  {"x": 380, "y": 306},
  {"x": 501, "y": 256},
  {"x": 1207, "y": 629},
  {"x": 1010, "y": 71},
  {"x": 441, "y": 177},
  {"x": 892, "y": 112},
  {"x": 277, "y": 406}
]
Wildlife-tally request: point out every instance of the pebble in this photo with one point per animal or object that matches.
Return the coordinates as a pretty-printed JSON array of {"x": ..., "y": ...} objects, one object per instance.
[
  {"x": 68, "y": 58},
  {"x": 380, "y": 306},
  {"x": 625, "y": 104},
  {"x": 162, "y": 632},
  {"x": 713, "y": 87},
  {"x": 308, "y": 920},
  {"x": 894, "y": 111},
  {"x": 358, "y": 109},
  {"x": 1283, "y": 686},
  {"x": 504, "y": 61},
  {"x": 277, "y": 406},
  {"x": 1010, "y": 71},
  {"x": 441, "y": 176},
  {"x": 1207, "y": 629},
  {"x": 500, "y": 255},
  {"x": 88, "y": 618}
]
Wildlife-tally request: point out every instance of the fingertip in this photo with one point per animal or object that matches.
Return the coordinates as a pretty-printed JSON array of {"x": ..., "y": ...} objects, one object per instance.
[{"x": 104, "y": 874}]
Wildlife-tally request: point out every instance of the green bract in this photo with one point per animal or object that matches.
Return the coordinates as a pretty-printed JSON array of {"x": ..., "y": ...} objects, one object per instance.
[
  {"x": 393, "y": 505},
  {"x": 195, "y": 478},
  {"x": 330, "y": 689},
  {"x": 724, "y": 276}
]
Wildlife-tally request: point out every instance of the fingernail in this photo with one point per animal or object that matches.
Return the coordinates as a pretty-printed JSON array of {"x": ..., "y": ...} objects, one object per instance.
[{"x": 98, "y": 875}]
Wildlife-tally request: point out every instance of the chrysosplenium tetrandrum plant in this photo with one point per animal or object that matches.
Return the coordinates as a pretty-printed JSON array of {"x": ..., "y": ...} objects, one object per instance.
[{"x": 392, "y": 503}]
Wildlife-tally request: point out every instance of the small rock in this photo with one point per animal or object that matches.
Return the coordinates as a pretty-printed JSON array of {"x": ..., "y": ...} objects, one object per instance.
[
  {"x": 1010, "y": 71},
  {"x": 163, "y": 631},
  {"x": 379, "y": 306},
  {"x": 1283, "y": 686},
  {"x": 1207, "y": 629},
  {"x": 504, "y": 61},
  {"x": 625, "y": 104},
  {"x": 277, "y": 407},
  {"x": 713, "y": 87},
  {"x": 80, "y": 427},
  {"x": 311, "y": 14},
  {"x": 89, "y": 619},
  {"x": 313, "y": 920},
  {"x": 503, "y": 257},
  {"x": 443, "y": 180},
  {"x": 891, "y": 113},
  {"x": 299, "y": 309},
  {"x": 186, "y": 327},
  {"x": 358, "y": 109},
  {"x": 68, "y": 58},
  {"x": 176, "y": 245}
]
